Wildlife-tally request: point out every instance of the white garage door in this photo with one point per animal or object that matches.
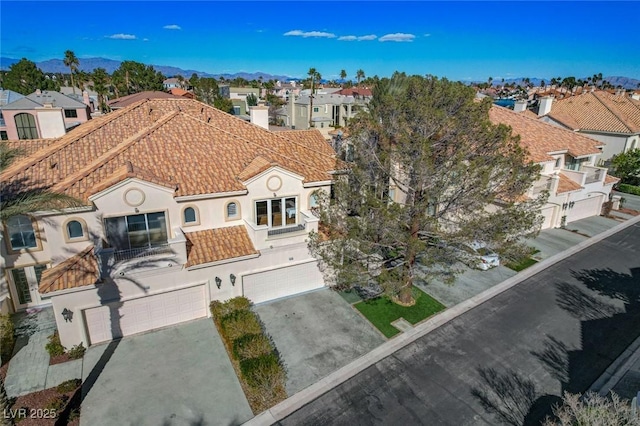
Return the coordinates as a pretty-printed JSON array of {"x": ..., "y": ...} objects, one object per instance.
[
  {"x": 282, "y": 282},
  {"x": 144, "y": 314},
  {"x": 547, "y": 215},
  {"x": 585, "y": 208}
]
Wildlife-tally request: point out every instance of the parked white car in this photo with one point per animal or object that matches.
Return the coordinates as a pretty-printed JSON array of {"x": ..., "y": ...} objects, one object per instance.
[{"x": 477, "y": 255}]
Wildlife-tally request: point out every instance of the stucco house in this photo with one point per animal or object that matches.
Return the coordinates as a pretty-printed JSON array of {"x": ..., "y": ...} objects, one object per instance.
[
  {"x": 612, "y": 118},
  {"x": 329, "y": 110},
  {"x": 182, "y": 204},
  {"x": 577, "y": 187},
  {"x": 41, "y": 115}
]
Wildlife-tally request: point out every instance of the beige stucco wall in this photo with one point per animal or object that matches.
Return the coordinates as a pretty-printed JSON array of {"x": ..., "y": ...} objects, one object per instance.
[{"x": 50, "y": 122}]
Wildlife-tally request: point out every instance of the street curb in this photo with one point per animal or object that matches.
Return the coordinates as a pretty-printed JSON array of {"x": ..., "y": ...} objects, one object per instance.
[
  {"x": 616, "y": 371},
  {"x": 307, "y": 395}
]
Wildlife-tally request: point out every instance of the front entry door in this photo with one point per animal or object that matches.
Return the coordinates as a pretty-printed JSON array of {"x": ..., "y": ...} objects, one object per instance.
[{"x": 25, "y": 286}]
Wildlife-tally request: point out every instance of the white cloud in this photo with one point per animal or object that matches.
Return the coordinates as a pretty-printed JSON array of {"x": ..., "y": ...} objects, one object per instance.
[
  {"x": 427, "y": 35},
  {"x": 397, "y": 37},
  {"x": 305, "y": 34},
  {"x": 357, "y": 38},
  {"x": 145, "y": 39},
  {"x": 122, "y": 36},
  {"x": 172, "y": 27}
]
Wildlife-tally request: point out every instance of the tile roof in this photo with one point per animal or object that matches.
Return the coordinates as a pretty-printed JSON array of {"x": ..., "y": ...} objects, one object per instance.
[
  {"x": 179, "y": 143},
  {"x": 30, "y": 146},
  {"x": 540, "y": 139},
  {"x": 218, "y": 244},
  {"x": 125, "y": 101},
  {"x": 312, "y": 138},
  {"x": 567, "y": 185},
  {"x": 77, "y": 271},
  {"x": 598, "y": 111},
  {"x": 181, "y": 92},
  {"x": 610, "y": 179}
]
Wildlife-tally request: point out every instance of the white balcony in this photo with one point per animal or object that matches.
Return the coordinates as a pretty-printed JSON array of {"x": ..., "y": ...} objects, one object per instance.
[{"x": 264, "y": 236}]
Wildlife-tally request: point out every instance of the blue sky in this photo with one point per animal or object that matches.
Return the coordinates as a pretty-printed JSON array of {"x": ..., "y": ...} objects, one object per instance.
[{"x": 458, "y": 40}]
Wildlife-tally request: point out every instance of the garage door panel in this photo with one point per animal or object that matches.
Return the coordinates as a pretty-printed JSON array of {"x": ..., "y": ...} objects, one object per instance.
[
  {"x": 146, "y": 313},
  {"x": 282, "y": 282},
  {"x": 585, "y": 208}
]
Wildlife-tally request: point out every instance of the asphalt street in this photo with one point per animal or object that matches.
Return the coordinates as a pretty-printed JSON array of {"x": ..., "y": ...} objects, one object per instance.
[{"x": 508, "y": 360}]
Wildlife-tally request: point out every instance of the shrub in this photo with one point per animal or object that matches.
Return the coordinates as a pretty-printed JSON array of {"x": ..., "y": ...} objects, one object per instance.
[
  {"x": 239, "y": 323},
  {"x": 77, "y": 351},
  {"x": 56, "y": 405},
  {"x": 219, "y": 309},
  {"x": 7, "y": 337},
  {"x": 251, "y": 346},
  {"x": 69, "y": 385},
  {"x": 54, "y": 347},
  {"x": 629, "y": 189},
  {"x": 263, "y": 372}
]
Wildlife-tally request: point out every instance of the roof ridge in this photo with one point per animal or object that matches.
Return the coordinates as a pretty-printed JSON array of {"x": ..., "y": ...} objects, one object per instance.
[
  {"x": 624, "y": 123},
  {"x": 267, "y": 148},
  {"x": 64, "y": 141},
  {"x": 121, "y": 147}
]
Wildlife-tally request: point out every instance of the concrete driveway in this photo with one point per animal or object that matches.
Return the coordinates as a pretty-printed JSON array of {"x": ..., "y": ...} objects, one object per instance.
[
  {"x": 175, "y": 376},
  {"x": 316, "y": 334}
]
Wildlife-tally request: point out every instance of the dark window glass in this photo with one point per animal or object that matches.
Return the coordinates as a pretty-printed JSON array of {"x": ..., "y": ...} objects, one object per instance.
[{"x": 26, "y": 126}]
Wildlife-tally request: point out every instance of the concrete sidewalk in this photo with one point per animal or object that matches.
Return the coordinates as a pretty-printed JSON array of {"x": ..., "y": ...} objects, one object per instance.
[{"x": 295, "y": 402}]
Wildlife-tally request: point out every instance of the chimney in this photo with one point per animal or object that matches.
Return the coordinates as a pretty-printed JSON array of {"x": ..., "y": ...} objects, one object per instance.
[
  {"x": 545, "y": 105},
  {"x": 635, "y": 95},
  {"x": 260, "y": 116},
  {"x": 520, "y": 106},
  {"x": 292, "y": 110},
  {"x": 85, "y": 98},
  {"x": 38, "y": 92}
]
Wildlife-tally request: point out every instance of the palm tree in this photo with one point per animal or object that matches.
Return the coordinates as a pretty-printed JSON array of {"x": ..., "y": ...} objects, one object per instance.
[
  {"x": 314, "y": 75},
  {"x": 71, "y": 61},
  {"x": 101, "y": 86},
  {"x": 343, "y": 75},
  {"x": 359, "y": 75}
]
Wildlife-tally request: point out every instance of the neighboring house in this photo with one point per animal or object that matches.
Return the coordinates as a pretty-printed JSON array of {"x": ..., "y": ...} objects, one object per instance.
[
  {"x": 184, "y": 204},
  {"x": 6, "y": 97},
  {"x": 88, "y": 96},
  {"x": 577, "y": 188},
  {"x": 182, "y": 93},
  {"x": 612, "y": 118},
  {"x": 239, "y": 93},
  {"x": 42, "y": 114},
  {"x": 329, "y": 110},
  {"x": 359, "y": 94},
  {"x": 284, "y": 90},
  {"x": 125, "y": 101},
  {"x": 171, "y": 83}
]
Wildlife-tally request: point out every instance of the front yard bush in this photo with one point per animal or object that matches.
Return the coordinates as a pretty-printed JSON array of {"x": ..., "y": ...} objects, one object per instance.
[
  {"x": 629, "y": 189},
  {"x": 54, "y": 347},
  {"x": 56, "y": 405},
  {"x": 69, "y": 385},
  {"x": 252, "y": 353},
  {"x": 7, "y": 337},
  {"x": 77, "y": 351},
  {"x": 239, "y": 323},
  {"x": 251, "y": 346}
]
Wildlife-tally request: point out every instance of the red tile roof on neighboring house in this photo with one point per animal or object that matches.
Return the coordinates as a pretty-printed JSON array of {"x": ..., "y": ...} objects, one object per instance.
[
  {"x": 355, "y": 91},
  {"x": 598, "y": 111},
  {"x": 218, "y": 244},
  {"x": 125, "y": 101},
  {"x": 77, "y": 271},
  {"x": 540, "y": 139},
  {"x": 178, "y": 143},
  {"x": 182, "y": 93},
  {"x": 567, "y": 185}
]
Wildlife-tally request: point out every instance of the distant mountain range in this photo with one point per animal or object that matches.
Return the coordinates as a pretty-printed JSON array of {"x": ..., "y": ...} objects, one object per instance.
[{"x": 89, "y": 64}]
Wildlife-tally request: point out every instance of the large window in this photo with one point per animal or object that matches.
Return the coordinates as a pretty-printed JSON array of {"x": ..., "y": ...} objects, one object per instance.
[
  {"x": 136, "y": 231},
  {"x": 26, "y": 126},
  {"x": 75, "y": 229},
  {"x": 277, "y": 212},
  {"x": 70, "y": 113},
  {"x": 21, "y": 233}
]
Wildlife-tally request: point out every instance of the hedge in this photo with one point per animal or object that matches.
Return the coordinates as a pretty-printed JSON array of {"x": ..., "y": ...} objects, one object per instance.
[
  {"x": 252, "y": 353},
  {"x": 7, "y": 338},
  {"x": 629, "y": 189}
]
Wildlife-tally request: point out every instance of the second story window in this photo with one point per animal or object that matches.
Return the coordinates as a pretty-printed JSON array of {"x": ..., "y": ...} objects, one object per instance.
[
  {"x": 74, "y": 229},
  {"x": 558, "y": 163},
  {"x": 190, "y": 216},
  {"x": 136, "y": 231},
  {"x": 276, "y": 212},
  {"x": 26, "y": 126},
  {"x": 21, "y": 233},
  {"x": 70, "y": 113},
  {"x": 232, "y": 210}
]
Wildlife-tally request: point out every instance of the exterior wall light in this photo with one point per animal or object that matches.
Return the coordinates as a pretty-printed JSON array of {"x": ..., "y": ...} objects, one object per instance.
[
  {"x": 233, "y": 279},
  {"x": 218, "y": 282},
  {"x": 67, "y": 315}
]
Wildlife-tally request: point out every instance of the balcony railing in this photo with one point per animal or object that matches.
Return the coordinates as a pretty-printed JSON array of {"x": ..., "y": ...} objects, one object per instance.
[
  {"x": 137, "y": 253},
  {"x": 594, "y": 174},
  {"x": 543, "y": 184}
]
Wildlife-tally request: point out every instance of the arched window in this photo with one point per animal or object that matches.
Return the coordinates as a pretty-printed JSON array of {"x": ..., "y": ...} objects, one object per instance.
[
  {"x": 26, "y": 126},
  {"x": 190, "y": 216},
  {"x": 74, "y": 229},
  {"x": 232, "y": 210},
  {"x": 21, "y": 233}
]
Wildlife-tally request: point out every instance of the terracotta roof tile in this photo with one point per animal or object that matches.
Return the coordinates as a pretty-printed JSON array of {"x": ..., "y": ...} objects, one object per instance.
[
  {"x": 30, "y": 146},
  {"x": 77, "y": 271},
  {"x": 540, "y": 139},
  {"x": 256, "y": 166},
  {"x": 177, "y": 142},
  {"x": 218, "y": 244},
  {"x": 610, "y": 179},
  {"x": 125, "y": 101},
  {"x": 598, "y": 111},
  {"x": 567, "y": 185},
  {"x": 312, "y": 138}
]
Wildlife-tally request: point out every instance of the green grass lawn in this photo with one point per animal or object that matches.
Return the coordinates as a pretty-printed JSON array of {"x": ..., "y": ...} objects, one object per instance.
[
  {"x": 382, "y": 311},
  {"x": 521, "y": 265}
]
